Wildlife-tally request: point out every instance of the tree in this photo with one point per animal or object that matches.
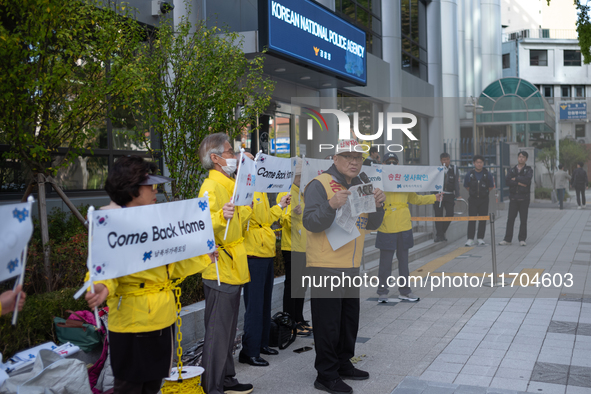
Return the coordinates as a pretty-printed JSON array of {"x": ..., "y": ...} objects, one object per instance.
[
  {"x": 198, "y": 81},
  {"x": 62, "y": 63},
  {"x": 583, "y": 28},
  {"x": 572, "y": 153},
  {"x": 548, "y": 158}
]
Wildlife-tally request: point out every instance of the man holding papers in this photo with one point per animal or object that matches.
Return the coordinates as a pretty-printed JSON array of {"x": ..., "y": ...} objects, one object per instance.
[
  {"x": 335, "y": 311},
  {"x": 142, "y": 305},
  {"x": 222, "y": 301}
]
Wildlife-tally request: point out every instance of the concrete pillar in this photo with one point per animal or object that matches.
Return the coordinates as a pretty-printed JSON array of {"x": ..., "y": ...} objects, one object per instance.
[
  {"x": 449, "y": 68},
  {"x": 477, "y": 52},
  {"x": 462, "y": 22},
  {"x": 435, "y": 124},
  {"x": 491, "y": 43}
]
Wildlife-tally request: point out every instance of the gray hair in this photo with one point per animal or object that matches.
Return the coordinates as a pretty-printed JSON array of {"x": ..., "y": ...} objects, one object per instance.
[{"x": 213, "y": 143}]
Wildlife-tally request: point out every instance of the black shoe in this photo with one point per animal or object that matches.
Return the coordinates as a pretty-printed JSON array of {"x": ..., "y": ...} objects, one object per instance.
[
  {"x": 269, "y": 351},
  {"x": 336, "y": 386},
  {"x": 438, "y": 239},
  {"x": 444, "y": 239},
  {"x": 254, "y": 361},
  {"x": 238, "y": 389},
  {"x": 354, "y": 374}
]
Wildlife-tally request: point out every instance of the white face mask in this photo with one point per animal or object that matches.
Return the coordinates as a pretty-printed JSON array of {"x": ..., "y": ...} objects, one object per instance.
[{"x": 230, "y": 166}]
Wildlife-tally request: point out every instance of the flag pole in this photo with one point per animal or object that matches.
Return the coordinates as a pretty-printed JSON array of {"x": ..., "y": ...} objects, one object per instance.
[
  {"x": 21, "y": 278},
  {"x": 233, "y": 194},
  {"x": 89, "y": 262}
]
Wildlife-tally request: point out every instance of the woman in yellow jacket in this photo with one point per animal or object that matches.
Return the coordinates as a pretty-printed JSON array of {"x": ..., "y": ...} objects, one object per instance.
[
  {"x": 395, "y": 235},
  {"x": 142, "y": 306},
  {"x": 260, "y": 248}
]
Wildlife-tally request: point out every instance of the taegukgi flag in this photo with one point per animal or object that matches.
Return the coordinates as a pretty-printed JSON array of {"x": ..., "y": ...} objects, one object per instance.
[
  {"x": 311, "y": 168},
  {"x": 412, "y": 178},
  {"x": 130, "y": 240},
  {"x": 245, "y": 184},
  {"x": 274, "y": 174},
  {"x": 15, "y": 233}
]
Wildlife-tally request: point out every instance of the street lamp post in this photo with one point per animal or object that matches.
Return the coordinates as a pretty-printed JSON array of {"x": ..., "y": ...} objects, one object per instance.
[{"x": 472, "y": 106}]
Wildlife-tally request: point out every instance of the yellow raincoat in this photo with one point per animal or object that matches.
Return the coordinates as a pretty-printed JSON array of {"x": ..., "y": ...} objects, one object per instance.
[
  {"x": 260, "y": 238},
  {"x": 397, "y": 217},
  {"x": 293, "y": 235},
  {"x": 232, "y": 263}
]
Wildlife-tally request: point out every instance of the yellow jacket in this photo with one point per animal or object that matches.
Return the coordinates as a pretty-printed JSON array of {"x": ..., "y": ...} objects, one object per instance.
[
  {"x": 293, "y": 235},
  {"x": 153, "y": 307},
  {"x": 397, "y": 217},
  {"x": 260, "y": 239},
  {"x": 232, "y": 262}
]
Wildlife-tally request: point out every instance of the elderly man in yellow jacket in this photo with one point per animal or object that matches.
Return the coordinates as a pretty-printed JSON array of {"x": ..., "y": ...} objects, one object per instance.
[
  {"x": 293, "y": 248},
  {"x": 260, "y": 243},
  {"x": 222, "y": 302},
  {"x": 395, "y": 235}
]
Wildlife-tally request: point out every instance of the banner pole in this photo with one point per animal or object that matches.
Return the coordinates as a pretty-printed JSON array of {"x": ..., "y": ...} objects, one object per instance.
[
  {"x": 494, "y": 280},
  {"x": 233, "y": 194},
  {"x": 217, "y": 270},
  {"x": 89, "y": 262},
  {"x": 21, "y": 279}
]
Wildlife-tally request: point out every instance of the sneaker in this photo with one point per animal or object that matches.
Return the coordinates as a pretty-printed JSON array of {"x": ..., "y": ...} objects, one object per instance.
[
  {"x": 579, "y": 207},
  {"x": 303, "y": 331},
  {"x": 469, "y": 242},
  {"x": 336, "y": 386},
  {"x": 239, "y": 389},
  {"x": 522, "y": 243},
  {"x": 354, "y": 374},
  {"x": 305, "y": 324},
  {"x": 504, "y": 243},
  {"x": 383, "y": 299},
  {"x": 481, "y": 242},
  {"x": 410, "y": 297},
  {"x": 438, "y": 239}
]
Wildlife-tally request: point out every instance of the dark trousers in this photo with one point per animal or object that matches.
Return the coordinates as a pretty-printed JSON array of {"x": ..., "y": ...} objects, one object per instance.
[
  {"x": 441, "y": 227},
  {"x": 522, "y": 208},
  {"x": 560, "y": 196},
  {"x": 125, "y": 387},
  {"x": 336, "y": 322},
  {"x": 477, "y": 207},
  {"x": 221, "y": 319},
  {"x": 580, "y": 195},
  {"x": 293, "y": 289},
  {"x": 257, "y": 301}
]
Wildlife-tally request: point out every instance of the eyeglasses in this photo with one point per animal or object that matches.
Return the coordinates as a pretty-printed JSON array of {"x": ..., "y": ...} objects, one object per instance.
[
  {"x": 230, "y": 151},
  {"x": 351, "y": 158}
]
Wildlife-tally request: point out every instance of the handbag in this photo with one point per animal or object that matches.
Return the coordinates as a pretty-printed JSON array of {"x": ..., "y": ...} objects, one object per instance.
[
  {"x": 78, "y": 332},
  {"x": 283, "y": 330}
]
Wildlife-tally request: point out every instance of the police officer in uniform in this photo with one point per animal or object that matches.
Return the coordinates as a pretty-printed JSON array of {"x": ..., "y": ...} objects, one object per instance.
[
  {"x": 479, "y": 182},
  {"x": 451, "y": 185},
  {"x": 335, "y": 312}
]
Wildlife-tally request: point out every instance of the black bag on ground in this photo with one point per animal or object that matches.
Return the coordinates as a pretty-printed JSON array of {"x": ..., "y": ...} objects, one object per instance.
[{"x": 283, "y": 330}]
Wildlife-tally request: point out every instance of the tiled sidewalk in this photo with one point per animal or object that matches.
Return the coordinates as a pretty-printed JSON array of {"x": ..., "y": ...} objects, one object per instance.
[{"x": 496, "y": 340}]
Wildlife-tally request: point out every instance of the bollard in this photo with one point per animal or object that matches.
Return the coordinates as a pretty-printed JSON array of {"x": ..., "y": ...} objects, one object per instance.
[{"x": 495, "y": 274}]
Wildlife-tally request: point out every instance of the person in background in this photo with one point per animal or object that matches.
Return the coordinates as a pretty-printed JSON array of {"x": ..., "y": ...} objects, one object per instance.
[
  {"x": 451, "y": 185},
  {"x": 579, "y": 181},
  {"x": 519, "y": 181},
  {"x": 293, "y": 248},
  {"x": 561, "y": 179},
  {"x": 395, "y": 235},
  {"x": 8, "y": 300},
  {"x": 374, "y": 156},
  {"x": 142, "y": 306},
  {"x": 260, "y": 243},
  {"x": 222, "y": 302},
  {"x": 479, "y": 182},
  {"x": 335, "y": 312}
]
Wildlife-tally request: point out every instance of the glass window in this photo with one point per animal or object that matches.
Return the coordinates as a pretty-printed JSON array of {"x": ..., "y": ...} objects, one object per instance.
[
  {"x": 413, "y": 15},
  {"x": 365, "y": 14},
  {"x": 538, "y": 57},
  {"x": 579, "y": 92},
  {"x": 506, "y": 60},
  {"x": 579, "y": 131},
  {"x": 548, "y": 91},
  {"x": 572, "y": 58},
  {"x": 565, "y": 91}
]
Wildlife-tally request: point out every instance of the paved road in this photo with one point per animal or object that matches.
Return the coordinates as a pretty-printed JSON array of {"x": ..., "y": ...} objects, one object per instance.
[{"x": 472, "y": 340}]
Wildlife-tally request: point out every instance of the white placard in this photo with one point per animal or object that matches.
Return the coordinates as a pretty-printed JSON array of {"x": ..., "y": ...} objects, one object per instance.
[
  {"x": 245, "y": 184},
  {"x": 374, "y": 173},
  {"x": 274, "y": 174},
  {"x": 338, "y": 237},
  {"x": 311, "y": 168},
  {"x": 15, "y": 233},
  {"x": 411, "y": 178},
  {"x": 130, "y": 240}
]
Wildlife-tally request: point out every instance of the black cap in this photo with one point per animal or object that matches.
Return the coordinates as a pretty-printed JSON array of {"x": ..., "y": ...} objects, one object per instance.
[
  {"x": 156, "y": 180},
  {"x": 388, "y": 156}
]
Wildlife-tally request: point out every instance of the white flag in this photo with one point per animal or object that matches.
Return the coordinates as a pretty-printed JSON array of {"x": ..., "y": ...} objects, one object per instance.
[
  {"x": 245, "y": 184},
  {"x": 311, "y": 168},
  {"x": 130, "y": 240},
  {"x": 274, "y": 174},
  {"x": 15, "y": 233},
  {"x": 412, "y": 178}
]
